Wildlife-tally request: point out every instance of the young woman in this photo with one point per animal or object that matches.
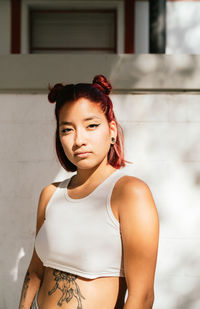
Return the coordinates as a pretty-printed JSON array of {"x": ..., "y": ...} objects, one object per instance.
[{"x": 97, "y": 231}]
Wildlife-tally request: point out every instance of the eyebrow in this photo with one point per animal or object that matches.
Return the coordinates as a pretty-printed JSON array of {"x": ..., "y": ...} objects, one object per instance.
[{"x": 85, "y": 119}]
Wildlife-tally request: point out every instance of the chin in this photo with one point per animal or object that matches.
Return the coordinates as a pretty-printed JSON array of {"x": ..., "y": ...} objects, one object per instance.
[{"x": 84, "y": 164}]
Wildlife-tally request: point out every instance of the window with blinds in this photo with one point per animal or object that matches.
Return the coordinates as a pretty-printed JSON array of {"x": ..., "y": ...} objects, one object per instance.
[{"x": 67, "y": 31}]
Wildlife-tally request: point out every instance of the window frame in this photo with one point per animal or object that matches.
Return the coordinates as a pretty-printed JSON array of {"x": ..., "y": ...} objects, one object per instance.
[{"x": 26, "y": 5}]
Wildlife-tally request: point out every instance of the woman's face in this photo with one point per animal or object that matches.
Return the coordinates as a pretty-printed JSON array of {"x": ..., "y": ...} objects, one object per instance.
[{"x": 83, "y": 128}]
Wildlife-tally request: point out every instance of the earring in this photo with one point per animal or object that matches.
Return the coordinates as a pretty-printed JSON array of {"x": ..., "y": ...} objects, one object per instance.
[{"x": 113, "y": 141}]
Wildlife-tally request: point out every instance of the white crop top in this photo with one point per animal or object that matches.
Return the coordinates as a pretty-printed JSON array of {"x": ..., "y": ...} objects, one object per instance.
[{"x": 82, "y": 236}]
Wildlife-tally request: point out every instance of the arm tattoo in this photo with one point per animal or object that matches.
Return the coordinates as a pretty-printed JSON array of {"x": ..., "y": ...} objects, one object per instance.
[
  {"x": 66, "y": 283},
  {"x": 25, "y": 286}
]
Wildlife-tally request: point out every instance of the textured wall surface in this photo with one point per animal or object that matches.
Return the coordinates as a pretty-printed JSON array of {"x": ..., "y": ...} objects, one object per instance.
[
  {"x": 161, "y": 139},
  {"x": 128, "y": 73}
]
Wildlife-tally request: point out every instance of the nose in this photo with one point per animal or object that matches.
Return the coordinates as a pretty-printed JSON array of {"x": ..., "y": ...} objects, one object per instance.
[{"x": 80, "y": 138}]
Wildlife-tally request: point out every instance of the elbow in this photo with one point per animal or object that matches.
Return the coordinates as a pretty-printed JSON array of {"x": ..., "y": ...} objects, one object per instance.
[
  {"x": 148, "y": 300},
  {"x": 144, "y": 300}
]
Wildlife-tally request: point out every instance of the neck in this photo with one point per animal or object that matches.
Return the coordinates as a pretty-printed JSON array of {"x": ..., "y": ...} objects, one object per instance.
[{"x": 91, "y": 176}]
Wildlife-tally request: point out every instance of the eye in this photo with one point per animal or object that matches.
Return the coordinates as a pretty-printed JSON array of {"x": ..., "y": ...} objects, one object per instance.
[
  {"x": 65, "y": 130},
  {"x": 93, "y": 125}
]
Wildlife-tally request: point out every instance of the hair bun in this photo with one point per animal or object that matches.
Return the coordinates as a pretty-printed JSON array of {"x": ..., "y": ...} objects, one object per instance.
[
  {"x": 53, "y": 92},
  {"x": 102, "y": 81}
]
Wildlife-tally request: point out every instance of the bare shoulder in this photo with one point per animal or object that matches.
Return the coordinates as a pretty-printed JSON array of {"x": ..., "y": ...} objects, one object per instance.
[
  {"x": 128, "y": 185},
  {"x": 137, "y": 210},
  {"x": 45, "y": 195},
  {"x": 48, "y": 190},
  {"x": 134, "y": 194}
]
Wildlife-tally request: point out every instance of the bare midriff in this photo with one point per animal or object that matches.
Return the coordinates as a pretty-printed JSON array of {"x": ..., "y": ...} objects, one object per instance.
[{"x": 68, "y": 291}]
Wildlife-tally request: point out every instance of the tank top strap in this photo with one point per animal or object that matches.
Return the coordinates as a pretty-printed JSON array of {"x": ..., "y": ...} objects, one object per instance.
[
  {"x": 107, "y": 185},
  {"x": 113, "y": 182},
  {"x": 108, "y": 199}
]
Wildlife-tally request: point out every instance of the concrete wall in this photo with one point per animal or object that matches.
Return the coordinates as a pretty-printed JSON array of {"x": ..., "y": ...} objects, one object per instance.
[
  {"x": 161, "y": 130},
  {"x": 144, "y": 72}
]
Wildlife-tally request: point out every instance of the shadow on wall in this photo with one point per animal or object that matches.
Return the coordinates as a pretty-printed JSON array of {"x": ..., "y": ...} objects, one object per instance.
[
  {"x": 162, "y": 133},
  {"x": 153, "y": 72}
]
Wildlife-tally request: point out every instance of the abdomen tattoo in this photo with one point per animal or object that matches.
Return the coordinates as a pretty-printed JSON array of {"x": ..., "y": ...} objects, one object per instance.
[{"x": 66, "y": 283}]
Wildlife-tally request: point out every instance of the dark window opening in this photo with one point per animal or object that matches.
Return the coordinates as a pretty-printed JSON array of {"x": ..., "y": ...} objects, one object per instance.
[{"x": 67, "y": 31}]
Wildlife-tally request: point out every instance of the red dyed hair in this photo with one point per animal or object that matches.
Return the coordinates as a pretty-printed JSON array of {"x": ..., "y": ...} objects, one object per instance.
[{"x": 97, "y": 92}]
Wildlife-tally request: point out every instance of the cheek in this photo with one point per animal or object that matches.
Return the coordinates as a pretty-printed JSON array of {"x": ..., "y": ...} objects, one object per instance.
[
  {"x": 102, "y": 136},
  {"x": 66, "y": 143}
]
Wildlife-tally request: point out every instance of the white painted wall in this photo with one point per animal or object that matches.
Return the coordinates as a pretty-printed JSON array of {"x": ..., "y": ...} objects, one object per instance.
[
  {"x": 161, "y": 139},
  {"x": 4, "y": 27}
]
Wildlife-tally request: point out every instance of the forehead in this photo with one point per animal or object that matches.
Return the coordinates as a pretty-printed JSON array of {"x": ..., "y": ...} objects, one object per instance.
[{"x": 81, "y": 108}]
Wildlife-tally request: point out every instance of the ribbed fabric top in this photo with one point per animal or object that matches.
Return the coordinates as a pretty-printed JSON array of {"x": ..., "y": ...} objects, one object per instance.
[{"x": 82, "y": 236}]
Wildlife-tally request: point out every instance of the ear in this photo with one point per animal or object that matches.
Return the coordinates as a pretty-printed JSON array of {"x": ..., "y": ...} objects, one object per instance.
[{"x": 113, "y": 129}]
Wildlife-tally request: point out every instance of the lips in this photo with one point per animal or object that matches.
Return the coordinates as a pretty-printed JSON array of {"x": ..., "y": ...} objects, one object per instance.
[
  {"x": 80, "y": 153},
  {"x": 83, "y": 155}
]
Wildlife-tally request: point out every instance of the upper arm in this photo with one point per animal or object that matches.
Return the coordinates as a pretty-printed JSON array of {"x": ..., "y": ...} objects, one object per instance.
[
  {"x": 44, "y": 198},
  {"x": 139, "y": 225},
  {"x": 36, "y": 264}
]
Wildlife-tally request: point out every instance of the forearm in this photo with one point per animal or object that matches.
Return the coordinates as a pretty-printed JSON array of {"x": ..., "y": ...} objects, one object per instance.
[
  {"x": 139, "y": 303},
  {"x": 30, "y": 286}
]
